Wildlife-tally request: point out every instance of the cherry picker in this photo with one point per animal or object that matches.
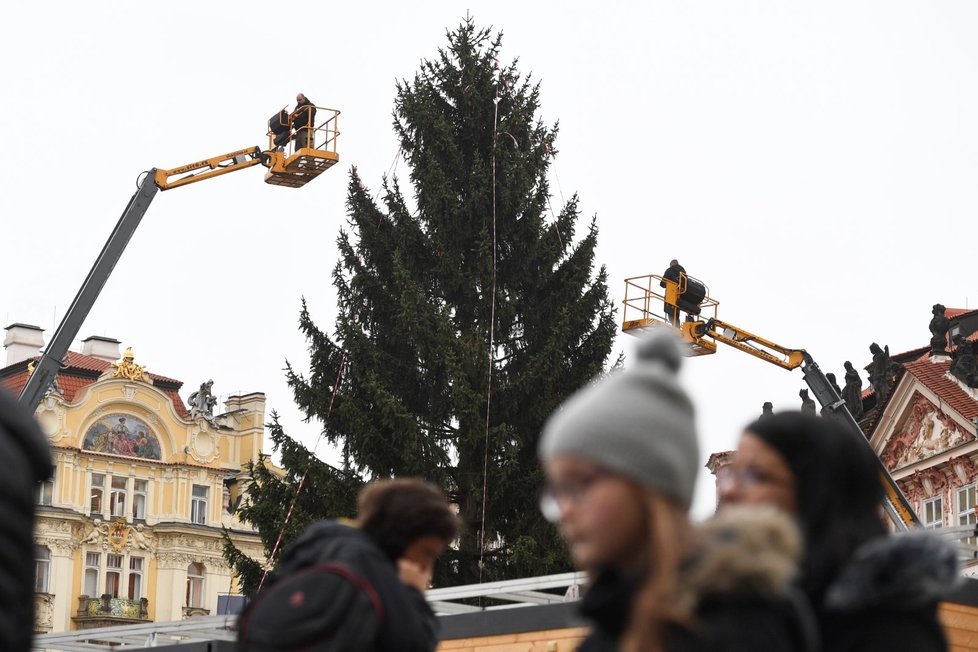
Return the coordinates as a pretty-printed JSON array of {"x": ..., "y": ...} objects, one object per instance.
[
  {"x": 702, "y": 331},
  {"x": 300, "y": 148}
]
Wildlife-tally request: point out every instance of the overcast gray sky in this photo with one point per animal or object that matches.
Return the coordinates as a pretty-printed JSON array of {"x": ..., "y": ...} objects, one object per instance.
[{"x": 815, "y": 163}]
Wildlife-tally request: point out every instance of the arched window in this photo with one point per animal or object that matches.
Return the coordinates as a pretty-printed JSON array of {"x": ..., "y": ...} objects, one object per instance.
[
  {"x": 195, "y": 585},
  {"x": 42, "y": 568}
]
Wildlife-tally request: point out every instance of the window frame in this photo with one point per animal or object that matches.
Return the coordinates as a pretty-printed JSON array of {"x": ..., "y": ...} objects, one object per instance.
[
  {"x": 117, "y": 571},
  {"x": 44, "y": 491},
  {"x": 967, "y": 516},
  {"x": 96, "y": 569},
  {"x": 196, "y": 584},
  {"x": 117, "y": 507},
  {"x": 42, "y": 569},
  {"x": 140, "y": 498},
  {"x": 137, "y": 575},
  {"x": 199, "y": 504},
  {"x": 92, "y": 488},
  {"x": 938, "y": 522}
]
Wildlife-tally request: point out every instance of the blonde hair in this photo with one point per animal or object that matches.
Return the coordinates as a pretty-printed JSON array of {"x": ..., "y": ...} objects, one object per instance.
[{"x": 659, "y": 601}]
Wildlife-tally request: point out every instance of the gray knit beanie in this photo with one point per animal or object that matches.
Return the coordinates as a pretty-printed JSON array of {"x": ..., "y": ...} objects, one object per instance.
[{"x": 638, "y": 423}]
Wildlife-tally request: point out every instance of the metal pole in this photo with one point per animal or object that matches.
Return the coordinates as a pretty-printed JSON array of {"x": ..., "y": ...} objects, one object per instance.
[
  {"x": 833, "y": 406},
  {"x": 49, "y": 364}
]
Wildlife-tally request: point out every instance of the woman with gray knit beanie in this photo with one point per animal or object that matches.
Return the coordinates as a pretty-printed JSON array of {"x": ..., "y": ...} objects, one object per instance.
[{"x": 621, "y": 457}]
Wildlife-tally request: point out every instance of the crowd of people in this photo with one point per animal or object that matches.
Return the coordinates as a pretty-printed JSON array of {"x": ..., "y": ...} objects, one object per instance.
[{"x": 797, "y": 557}]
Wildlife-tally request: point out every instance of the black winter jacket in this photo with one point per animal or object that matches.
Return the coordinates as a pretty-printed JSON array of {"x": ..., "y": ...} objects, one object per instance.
[
  {"x": 738, "y": 582},
  {"x": 26, "y": 460},
  {"x": 408, "y": 624},
  {"x": 886, "y": 597}
]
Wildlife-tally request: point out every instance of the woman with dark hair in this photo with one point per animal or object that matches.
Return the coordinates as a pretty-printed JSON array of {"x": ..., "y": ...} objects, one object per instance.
[{"x": 870, "y": 590}]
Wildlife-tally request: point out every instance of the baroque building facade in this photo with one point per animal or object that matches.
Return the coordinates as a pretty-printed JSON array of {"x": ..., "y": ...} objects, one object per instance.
[
  {"x": 922, "y": 422},
  {"x": 130, "y": 527}
]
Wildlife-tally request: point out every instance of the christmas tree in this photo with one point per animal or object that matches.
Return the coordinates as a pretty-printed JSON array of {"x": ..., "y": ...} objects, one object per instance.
[{"x": 466, "y": 314}]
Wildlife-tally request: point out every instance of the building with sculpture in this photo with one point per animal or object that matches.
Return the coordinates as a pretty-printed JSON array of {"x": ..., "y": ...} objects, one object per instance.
[
  {"x": 130, "y": 527},
  {"x": 920, "y": 414}
]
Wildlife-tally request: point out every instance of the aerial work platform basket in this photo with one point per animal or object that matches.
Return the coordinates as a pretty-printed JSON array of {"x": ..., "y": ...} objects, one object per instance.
[
  {"x": 653, "y": 301},
  {"x": 301, "y": 145}
]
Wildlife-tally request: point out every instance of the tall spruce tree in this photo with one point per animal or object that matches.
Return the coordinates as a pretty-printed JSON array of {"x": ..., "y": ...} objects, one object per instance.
[{"x": 424, "y": 286}]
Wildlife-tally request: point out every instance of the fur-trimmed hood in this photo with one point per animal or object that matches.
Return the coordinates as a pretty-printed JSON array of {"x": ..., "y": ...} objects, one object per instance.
[
  {"x": 743, "y": 551},
  {"x": 900, "y": 572}
]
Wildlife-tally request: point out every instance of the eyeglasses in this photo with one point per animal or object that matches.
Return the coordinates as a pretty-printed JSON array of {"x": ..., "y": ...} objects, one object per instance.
[
  {"x": 748, "y": 476},
  {"x": 572, "y": 491}
]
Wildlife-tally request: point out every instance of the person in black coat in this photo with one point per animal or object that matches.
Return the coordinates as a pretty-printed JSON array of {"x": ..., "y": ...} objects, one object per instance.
[
  {"x": 870, "y": 590},
  {"x": 674, "y": 273},
  {"x": 402, "y": 527},
  {"x": 26, "y": 461},
  {"x": 734, "y": 594},
  {"x": 304, "y": 122}
]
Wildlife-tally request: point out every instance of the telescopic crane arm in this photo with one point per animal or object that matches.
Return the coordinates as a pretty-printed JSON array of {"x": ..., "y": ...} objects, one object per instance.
[
  {"x": 287, "y": 166},
  {"x": 214, "y": 166},
  {"x": 702, "y": 334}
]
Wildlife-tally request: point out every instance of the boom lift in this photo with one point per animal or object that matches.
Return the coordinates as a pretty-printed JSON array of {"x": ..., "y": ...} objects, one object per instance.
[
  {"x": 299, "y": 150},
  {"x": 702, "y": 330}
]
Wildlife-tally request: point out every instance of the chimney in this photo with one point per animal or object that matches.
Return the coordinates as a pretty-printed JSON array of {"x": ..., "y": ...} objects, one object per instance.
[
  {"x": 103, "y": 348},
  {"x": 23, "y": 341}
]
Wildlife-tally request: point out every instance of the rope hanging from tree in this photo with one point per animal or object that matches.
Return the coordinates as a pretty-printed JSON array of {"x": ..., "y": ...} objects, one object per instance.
[{"x": 302, "y": 480}]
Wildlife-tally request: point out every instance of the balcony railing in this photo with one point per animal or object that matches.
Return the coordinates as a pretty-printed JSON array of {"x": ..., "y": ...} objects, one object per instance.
[{"x": 106, "y": 610}]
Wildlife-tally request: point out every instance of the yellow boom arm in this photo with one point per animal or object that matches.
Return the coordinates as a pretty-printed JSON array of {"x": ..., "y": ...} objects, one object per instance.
[
  {"x": 755, "y": 345},
  {"x": 211, "y": 167}
]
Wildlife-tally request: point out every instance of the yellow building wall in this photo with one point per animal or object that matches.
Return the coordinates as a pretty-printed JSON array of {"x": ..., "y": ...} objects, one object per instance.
[{"x": 198, "y": 450}]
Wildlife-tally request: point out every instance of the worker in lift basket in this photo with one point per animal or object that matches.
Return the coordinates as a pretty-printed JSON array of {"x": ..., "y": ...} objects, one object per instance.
[
  {"x": 304, "y": 122},
  {"x": 672, "y": 274}
]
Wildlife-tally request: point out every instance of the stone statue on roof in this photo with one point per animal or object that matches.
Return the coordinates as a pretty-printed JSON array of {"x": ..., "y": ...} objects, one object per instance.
[
  {"x": 767, "y": 410},
  {"x": 202, "y": 401},
  {"x": 852, "y": 394},
  {"x": 835, "y": 383},
  {"x": 807, "y": 404},
  {"x": 882, "y": 373},
  {"x": 939, "y": 325},
  {"x": 964, "y": 366}
]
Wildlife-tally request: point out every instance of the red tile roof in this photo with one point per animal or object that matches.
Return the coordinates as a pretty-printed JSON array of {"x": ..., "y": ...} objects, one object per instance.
[
  {"x": 933, "y": 376},
  {"x": 88, "y": 363},
  {"x": 951, "y": 313},
  {"x": 71, "y": 383}
]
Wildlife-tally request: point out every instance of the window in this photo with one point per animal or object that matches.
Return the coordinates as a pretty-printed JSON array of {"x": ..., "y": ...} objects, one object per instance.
[
  {"x": 934, "y": 512},
  {"x": 139, "y": 499},
  {"x": 97, "y": 491},
  {"x": 113, "y": 574},
  {"x": 966, "y": 508},
  {"x": 117, "y": 496},
  {"x": 42, "y": 568},
  {"x": 135, "y": 577},
  {"x": 198, "y": 505},
  {"x": 92, "y": 564},
  {"x": 44, "y": 491},
  {"x": 195, "y": 585}
]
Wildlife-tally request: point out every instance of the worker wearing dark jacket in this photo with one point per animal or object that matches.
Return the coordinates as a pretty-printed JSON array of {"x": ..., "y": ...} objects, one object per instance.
[
  {"x": 870, "y": 590},
  {"x": 304, "y": 122},
  {"x": 673, "y": 273},
  {"x": 26, "y": 461}
]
